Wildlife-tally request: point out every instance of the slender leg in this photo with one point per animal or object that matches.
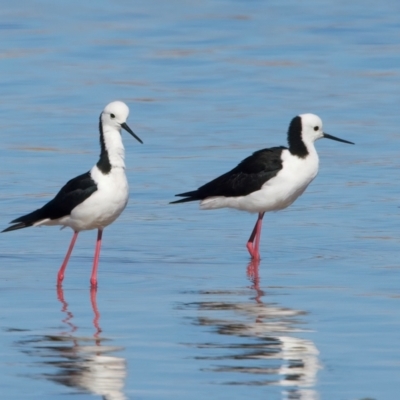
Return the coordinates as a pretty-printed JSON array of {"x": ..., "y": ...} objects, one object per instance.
[
  {"x": 61, "y": 272},
  {"x": 254, "y": 251},
  {"x": 93, "y": 278},
  {"x": 251, "y": 239},
  {"x": 258, "y": 236}
]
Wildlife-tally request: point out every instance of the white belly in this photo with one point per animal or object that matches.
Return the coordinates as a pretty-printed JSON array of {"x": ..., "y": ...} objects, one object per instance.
[
  {"x": 104, "y": 206},
  {"x": 277, "y": 193}
]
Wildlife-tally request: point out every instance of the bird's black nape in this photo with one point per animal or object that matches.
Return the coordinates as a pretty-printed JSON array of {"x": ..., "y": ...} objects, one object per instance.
[
  {"x": 295, "y": 140},
  {"x": 104, "y": 164}
]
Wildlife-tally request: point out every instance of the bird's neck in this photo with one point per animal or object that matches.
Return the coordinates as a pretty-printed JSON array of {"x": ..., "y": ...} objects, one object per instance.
[
  {"x": 297, "y": 146},
  {"x": 305, "y": 150},
  {"x": 112, "y": 153}
]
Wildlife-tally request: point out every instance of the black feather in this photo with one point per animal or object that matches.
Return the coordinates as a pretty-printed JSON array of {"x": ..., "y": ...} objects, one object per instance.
[
  {"x": 295, "y": 139},
  {"x": 104, "y": 164},
  {"x": 74, "y": 192},
  {"x": 246, "y": 178}
]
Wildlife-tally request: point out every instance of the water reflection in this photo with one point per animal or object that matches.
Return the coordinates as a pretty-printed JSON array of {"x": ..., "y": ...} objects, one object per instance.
[
  {"x": 258, "y": 341},
  {"x": 83, "y": 363}
]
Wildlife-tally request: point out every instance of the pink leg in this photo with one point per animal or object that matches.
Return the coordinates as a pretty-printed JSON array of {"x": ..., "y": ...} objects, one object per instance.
[
  {"x": 60, "y": 276},
  {"x": 93, "y": 278},
  {"x": 251, "y": 239},
  {"x": 256, "y": 234}
]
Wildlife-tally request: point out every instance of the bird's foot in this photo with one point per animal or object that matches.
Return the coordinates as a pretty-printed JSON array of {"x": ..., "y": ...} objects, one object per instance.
[
  {"x": 60, "y": 278},
  {"x": 93, "y": 283},
  {"x": 254, "y": 253},
  {"x": 252, "y": 269}
]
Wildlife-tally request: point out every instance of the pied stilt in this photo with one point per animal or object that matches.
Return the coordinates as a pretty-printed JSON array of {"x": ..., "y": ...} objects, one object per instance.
[
  {"x": 92, "y": 200},
  {"x": 269, "y": 180}
]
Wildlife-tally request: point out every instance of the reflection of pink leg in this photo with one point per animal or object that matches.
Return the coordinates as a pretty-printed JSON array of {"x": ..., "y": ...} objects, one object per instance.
[
  {"x": 254, "y": 276},
  {"x": 60, "y": 297},
  {"x": 256, "y": 234},
  {"x": 93, "y": 278},
  {"x": 93, "y": 300},
  {"x": 252, "y": 270},
  {"x": 61, "y": 272},
  {"x": 70, "y": 316}
]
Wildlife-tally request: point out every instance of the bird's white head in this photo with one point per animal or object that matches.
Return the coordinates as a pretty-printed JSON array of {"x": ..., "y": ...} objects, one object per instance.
[
  {"x": 304, "y": 130},
  {"x": 115, "y": 115},
  {"x": 311, "y": 127}
]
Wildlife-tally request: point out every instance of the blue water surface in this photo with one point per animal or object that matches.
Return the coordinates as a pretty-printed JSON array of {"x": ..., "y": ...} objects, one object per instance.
[{"x": 180, "y": 312}]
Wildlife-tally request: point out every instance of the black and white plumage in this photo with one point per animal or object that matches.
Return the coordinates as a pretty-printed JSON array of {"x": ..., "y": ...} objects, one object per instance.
[
  {"x": 73, "y": 193},
  {"x": 270, "y": 179},
  {"x": 94, "y": 199},
  {"x": 244, "y": 179}
]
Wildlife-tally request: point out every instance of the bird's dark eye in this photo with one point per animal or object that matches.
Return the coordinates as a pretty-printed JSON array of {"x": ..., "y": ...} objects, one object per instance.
[
  {"x": 315, "y": 127},
  {"x": 112, "y": 115}
]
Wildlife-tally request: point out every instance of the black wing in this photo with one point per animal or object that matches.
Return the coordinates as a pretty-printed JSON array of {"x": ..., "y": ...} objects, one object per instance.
[
  {"x": 247, "y": 177},
  {"x": 74, "y": 192}
]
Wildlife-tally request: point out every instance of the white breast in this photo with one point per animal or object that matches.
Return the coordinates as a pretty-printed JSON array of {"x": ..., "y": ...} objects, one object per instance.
[
  {"x": 105, "y": 205},
  {"x": 277, "y": 193}
]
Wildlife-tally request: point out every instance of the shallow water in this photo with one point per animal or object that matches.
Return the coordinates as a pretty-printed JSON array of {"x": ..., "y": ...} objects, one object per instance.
[{"x": 179, "y": 312}]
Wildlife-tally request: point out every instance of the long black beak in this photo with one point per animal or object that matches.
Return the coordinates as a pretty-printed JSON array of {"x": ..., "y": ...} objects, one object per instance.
[
  {"x": 336, "y": 138},
  {"x": 126, "y": 127}
]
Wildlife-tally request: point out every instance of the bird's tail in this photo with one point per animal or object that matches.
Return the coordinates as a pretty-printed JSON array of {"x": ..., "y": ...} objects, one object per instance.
[
  {"x": 190, "y": 196},
  {"x": 26, "y": 220}
]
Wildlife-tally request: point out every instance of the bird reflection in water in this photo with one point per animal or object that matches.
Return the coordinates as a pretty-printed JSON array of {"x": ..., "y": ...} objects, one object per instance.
[
  {"x": 83, "y": 363},
  {"x": 258, "y": 340}
]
